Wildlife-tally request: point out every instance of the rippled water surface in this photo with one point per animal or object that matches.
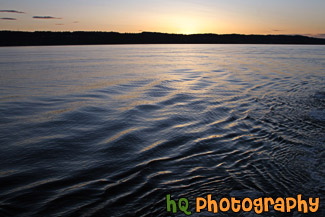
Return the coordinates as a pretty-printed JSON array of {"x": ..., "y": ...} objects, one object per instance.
[{"x": 110, "y": 130}]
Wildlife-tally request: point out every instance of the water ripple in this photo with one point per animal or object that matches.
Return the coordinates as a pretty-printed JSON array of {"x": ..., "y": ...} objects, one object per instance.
[{"x": 114, "y": 138}]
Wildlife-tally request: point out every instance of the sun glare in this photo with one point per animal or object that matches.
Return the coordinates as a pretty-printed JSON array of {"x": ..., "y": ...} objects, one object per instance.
[{"x": 187, "y": 26}]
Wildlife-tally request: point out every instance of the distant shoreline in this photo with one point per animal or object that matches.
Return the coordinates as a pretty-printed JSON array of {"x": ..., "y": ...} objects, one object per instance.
[{"x": 19, "y": 38}]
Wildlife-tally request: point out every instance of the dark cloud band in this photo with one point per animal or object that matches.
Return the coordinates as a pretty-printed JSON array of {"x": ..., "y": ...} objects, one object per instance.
[
  {"x": 46, "y": 17},
  {"x": 12, "y": 11},
  {"x": 7, "y": 18}
]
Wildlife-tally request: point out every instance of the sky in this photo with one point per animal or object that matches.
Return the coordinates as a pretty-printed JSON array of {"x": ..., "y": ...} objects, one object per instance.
[{"x": 170, "y": 16}]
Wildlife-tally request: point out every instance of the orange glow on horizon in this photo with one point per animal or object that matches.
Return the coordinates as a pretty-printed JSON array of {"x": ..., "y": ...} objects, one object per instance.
[{"x": 177, "y": 16}]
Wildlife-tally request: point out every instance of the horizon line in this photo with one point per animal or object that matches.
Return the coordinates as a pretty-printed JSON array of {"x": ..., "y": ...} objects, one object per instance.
[{"x": 167, "y": 33}]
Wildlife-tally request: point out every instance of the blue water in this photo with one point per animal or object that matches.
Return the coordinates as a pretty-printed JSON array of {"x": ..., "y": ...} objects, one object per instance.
[{"x": 110, "y": 130}]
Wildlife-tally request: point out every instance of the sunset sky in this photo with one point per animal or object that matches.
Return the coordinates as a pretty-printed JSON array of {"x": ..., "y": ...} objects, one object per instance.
[{"x": 171, "y": 16}]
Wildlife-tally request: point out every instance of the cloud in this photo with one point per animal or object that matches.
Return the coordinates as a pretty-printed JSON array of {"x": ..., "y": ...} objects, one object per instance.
[
  {"x": 277, "y": 30},
  {"x": 76, "y": 22},
  {"x": 46, "y": 17},
  {"x": 7, "y": 18},
  {"x": 59, "y": 24},
  {"x": 12, "y": 11}
]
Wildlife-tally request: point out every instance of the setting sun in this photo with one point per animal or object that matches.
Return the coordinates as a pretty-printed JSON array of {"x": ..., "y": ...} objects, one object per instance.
[{"x": 187, "y": 26}]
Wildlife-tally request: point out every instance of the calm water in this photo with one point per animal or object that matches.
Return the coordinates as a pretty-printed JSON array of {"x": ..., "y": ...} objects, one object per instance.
[{"x": 110, "y": 130}]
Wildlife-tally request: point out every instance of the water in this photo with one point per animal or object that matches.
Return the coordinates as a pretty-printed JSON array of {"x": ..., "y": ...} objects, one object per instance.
[{"x": 110, "y": 130}]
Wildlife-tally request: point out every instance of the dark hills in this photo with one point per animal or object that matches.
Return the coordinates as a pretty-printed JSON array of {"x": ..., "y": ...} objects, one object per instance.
[{"x": 18, "y": 38}]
